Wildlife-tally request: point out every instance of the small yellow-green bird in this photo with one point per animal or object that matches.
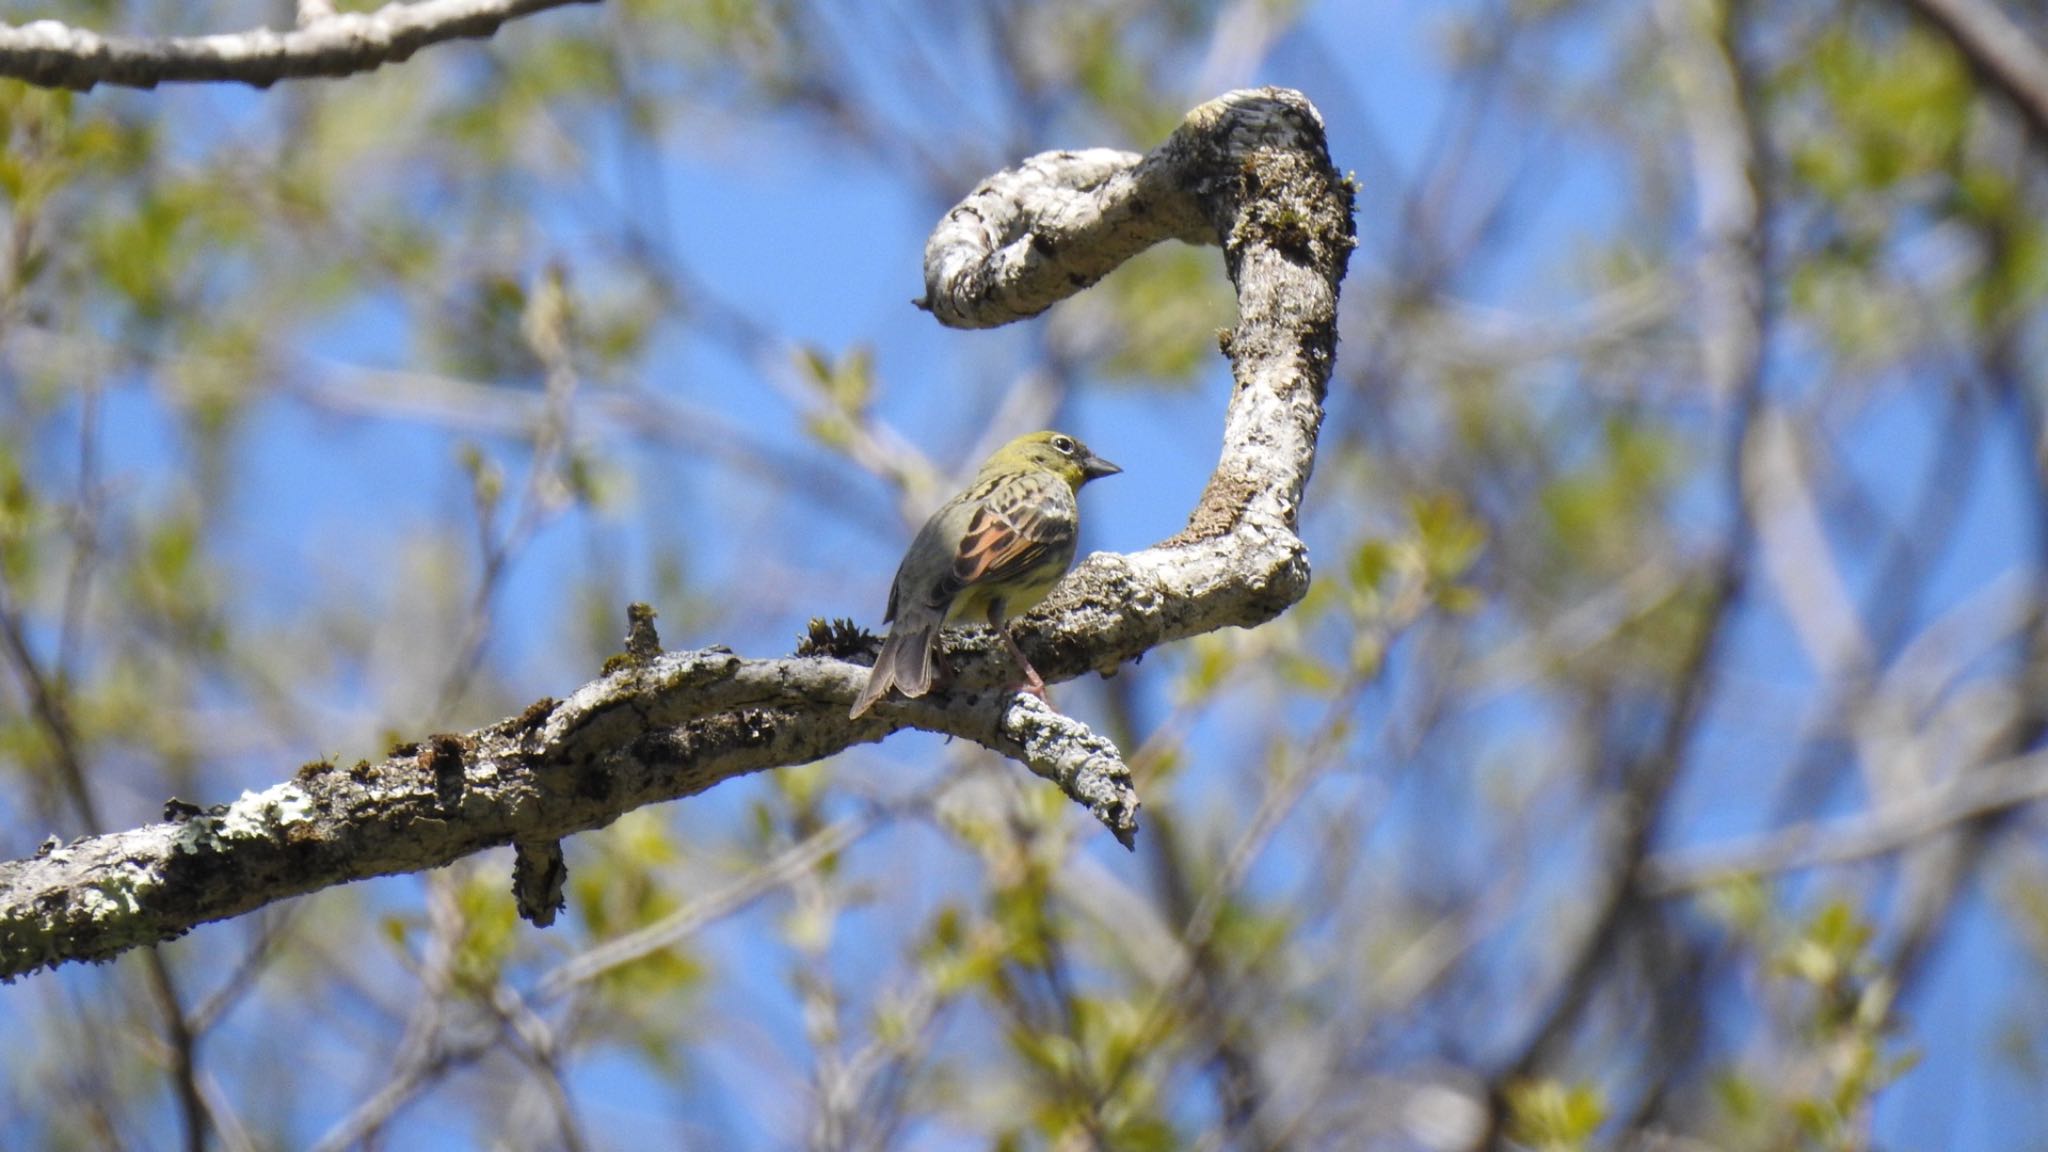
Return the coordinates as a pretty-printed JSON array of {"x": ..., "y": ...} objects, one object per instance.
[{"x": 991, "y": 553}]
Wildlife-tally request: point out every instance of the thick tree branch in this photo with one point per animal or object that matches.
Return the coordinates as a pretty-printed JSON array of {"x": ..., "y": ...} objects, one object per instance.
[
  {"x": 56, "y": 55},
  {"x": 1254, "y": 165}
]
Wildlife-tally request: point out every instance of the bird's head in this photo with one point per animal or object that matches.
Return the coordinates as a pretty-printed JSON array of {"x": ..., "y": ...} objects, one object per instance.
[{"x": 1054, "y": 452}]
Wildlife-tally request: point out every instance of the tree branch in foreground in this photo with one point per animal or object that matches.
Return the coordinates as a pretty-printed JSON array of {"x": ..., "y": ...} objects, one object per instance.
[
  {"x": 326, "y": 43},
  {"x": 1252, "y": 164}
]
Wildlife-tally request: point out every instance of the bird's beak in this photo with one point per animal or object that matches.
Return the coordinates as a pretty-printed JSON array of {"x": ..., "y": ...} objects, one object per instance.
[{"x": 1095, "y": 467}]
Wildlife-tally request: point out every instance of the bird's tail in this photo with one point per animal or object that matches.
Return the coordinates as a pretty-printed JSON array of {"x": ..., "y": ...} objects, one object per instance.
[{"x": 905, "y": 664}]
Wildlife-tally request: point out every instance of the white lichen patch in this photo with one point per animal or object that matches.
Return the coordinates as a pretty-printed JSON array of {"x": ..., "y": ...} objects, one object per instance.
[
  {"x": 118, "y": 893},
  {"x": 263, "y": 813},
  {"x": 257, "y": 815}
]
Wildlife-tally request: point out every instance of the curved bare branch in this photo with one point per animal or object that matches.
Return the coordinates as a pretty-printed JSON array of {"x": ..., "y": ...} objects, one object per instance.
[{"x": 1252, "y": 164}]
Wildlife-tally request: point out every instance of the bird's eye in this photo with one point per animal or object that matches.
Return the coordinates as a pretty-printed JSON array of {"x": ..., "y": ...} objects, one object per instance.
[{"x": 1063, "y": 445}]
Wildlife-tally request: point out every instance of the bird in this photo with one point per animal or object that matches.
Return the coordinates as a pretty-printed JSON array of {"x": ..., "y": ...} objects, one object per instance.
[{"x": 989, "y": 554}]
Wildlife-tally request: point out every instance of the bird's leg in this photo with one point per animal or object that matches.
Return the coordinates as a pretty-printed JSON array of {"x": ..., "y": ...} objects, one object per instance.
[{"x": 1032, "y": 682}]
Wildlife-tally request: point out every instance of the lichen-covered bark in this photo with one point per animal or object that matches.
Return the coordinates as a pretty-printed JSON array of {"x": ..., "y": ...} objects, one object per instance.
[
  {"x": 1248, "y": 171},
  {"x": 58, "y": 55}
]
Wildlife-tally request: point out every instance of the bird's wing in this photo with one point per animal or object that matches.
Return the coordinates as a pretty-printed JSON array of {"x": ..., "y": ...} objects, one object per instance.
[{"x": 1013, "y": 528}]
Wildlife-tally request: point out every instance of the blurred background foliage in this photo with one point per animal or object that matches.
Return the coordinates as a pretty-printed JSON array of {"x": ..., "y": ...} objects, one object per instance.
[{"x": 1648, "y": 767}]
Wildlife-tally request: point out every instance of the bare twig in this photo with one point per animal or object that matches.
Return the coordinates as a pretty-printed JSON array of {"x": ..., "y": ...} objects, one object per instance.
[
  {"x": 684, "y": 922},
  {"x": 1891, "y": 828},
  {"x": 424, "y": 1052},
  {"x": 545, "y": 325},
  {"x": 543, "y": 1052},
  {"x": 431, "y": 1048}
]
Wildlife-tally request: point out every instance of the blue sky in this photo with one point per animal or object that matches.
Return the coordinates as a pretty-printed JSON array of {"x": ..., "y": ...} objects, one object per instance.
[{"x": 827, "y": 247}]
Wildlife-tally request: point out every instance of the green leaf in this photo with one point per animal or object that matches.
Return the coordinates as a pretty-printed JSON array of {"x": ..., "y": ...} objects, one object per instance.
[{"x": 1553, "y": 1117}]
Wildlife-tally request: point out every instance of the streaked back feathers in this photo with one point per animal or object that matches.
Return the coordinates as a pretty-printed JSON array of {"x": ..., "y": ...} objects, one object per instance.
[{"x": 992, "y": 552}]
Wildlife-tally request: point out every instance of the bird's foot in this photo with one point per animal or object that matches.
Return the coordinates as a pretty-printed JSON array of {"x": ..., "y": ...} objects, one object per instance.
[
  {"x": 1034, "y": 686},
  {"x": 1033, "y": 683}
]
